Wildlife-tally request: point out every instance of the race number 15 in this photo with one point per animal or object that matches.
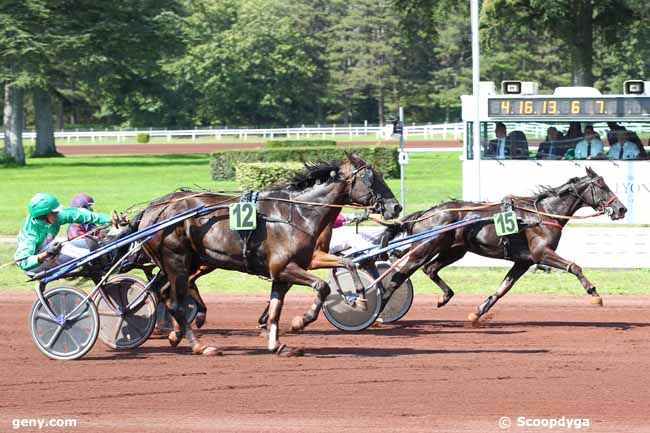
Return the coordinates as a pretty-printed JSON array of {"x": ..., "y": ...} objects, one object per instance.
[
  {"x": 505, "y": 223},
  {"x": 243, "y": 216}
]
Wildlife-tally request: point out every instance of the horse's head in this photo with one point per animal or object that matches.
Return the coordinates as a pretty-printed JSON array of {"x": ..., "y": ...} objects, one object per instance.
[
  {"x": 368, "y": 188},
  {"x": 594, "y": 192}
]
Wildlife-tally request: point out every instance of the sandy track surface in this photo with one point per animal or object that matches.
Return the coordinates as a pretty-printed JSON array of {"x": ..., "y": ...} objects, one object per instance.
[{"x": 535, "y": 357}]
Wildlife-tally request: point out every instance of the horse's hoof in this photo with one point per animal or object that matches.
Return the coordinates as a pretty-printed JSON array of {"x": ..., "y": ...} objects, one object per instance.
[
  {"x": 473, "y": 317},
  {"x": 297, "y": 324},
  {"x": 441, "y": 302},
  {"x": 174, "y": 338},
  {"x": 285, "y": 351},
  {"x": 596, "y": 300},
  {"x": 199, "y": 349},
  {"x": 199, "y": 321}
]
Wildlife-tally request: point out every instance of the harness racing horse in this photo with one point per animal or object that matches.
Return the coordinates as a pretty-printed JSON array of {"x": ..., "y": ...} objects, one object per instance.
[
  {"x": 290, "y": 218},
  {"x": 550, "y": 210}
]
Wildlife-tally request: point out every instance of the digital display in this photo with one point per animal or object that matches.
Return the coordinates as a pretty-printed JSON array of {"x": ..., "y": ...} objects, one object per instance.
[{"x": 569, "y": 107}]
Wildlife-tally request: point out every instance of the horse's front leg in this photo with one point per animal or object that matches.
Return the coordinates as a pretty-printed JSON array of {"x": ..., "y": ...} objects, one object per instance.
[
  {"x": 294, "y": 274},
  {"x": 278, "y": 292},
  {"x": 551, "y": 258},
  {"x": 323, "y": 260},
  {"x": 510, "y": 279}
]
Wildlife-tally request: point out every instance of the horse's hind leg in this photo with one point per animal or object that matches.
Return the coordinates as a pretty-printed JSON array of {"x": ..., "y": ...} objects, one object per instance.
[
  {"x": 193, "y": 291},
  {"x": 432, "y": 268},
  {"x": 510, "y": 279},
  {"x": 175, "y": 266}
]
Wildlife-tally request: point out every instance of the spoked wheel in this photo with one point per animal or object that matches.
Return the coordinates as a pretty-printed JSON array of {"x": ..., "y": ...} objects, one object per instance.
[
  {"x": 62, "y": 337},
  {"x": 128, "y": 314},
  {"x": 340, "y": 308},
  {"x": 400, "y": 301}
]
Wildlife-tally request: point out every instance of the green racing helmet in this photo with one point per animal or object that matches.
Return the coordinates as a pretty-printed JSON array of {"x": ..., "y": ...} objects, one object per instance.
[{"x": 43, "y": 203}]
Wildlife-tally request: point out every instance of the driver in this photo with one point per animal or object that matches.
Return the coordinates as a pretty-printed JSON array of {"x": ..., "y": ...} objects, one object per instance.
[
  {"x": 37, "y": 249},
  {"x": 344, "y": 239}
]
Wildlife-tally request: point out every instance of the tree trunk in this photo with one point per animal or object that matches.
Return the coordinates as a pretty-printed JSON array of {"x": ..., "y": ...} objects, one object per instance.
[
  {"x": 60, "y": 119},
  {"x": 44, "y": 122},
  {"x": 13, "y": 123},
  {"x": 380, "y": 106},
  {"x": 583, "y": 48}
]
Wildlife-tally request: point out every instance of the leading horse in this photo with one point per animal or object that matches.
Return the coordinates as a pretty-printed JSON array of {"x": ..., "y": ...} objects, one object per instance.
[
  {"x": 549, "y": 211},
  {"x": 290, "y": 219}
]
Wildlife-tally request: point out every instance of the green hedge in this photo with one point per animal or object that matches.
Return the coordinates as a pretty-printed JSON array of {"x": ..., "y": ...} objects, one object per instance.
[
  {"x": 382, "y": 158},
  {"x": 275, "y": 144},
  {"x": 142, "y": 138},
  {"x": 261, "y": 175}
]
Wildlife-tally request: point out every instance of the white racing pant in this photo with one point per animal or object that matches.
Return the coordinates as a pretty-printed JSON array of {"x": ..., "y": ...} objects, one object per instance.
[
  {"x": 344, "y": 238},
  {"x": 69, "y": 250}
]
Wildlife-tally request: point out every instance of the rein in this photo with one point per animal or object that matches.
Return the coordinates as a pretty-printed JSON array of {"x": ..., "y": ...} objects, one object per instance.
[{"x": 311, "y": 203}]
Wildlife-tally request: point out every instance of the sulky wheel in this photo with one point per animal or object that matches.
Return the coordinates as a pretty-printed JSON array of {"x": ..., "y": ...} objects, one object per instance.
[
  {"x": 400, "y": 301},
  {"x": 127, "y": 311},
  {"x": 340, "y": 309},
  {"x": 64, "y": 336}
]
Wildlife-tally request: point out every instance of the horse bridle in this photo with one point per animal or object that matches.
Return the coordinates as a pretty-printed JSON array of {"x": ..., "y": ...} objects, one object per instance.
[
  {"x": 367, "y": 177},
  {"x": 602, "y": 205}
]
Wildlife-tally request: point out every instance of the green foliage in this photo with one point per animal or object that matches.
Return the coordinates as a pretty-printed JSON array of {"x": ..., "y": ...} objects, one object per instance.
[
  {"x": 383, "y": 158},
  {"x": 274, "y": 144},
  {"x": 261, "y": 175},
  {"x": 282, "y": 62},
  {"x": 142, "y": 138}
]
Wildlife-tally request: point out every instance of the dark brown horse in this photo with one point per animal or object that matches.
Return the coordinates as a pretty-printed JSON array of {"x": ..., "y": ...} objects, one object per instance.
[
  {"x": 290, "y": 219},
  {"x": 546, "y": 214}
]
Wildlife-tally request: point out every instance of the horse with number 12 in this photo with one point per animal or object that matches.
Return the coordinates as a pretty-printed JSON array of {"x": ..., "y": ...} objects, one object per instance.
[
  {"x": 279, "y": 245},
  {"x": 543, "y": 217}
]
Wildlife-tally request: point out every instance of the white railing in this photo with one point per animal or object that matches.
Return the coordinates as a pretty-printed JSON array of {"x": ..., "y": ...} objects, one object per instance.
[{"x": 445, "y": 130}]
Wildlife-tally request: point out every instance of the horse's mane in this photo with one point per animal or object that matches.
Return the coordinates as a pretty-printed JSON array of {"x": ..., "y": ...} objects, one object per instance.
[
  {"x": 315, "y": 173},
  {"x": 544, "y": 191}
]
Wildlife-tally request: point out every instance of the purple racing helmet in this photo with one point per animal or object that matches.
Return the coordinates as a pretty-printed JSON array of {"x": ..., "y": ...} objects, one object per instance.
[{"x": 82, "y": 200}]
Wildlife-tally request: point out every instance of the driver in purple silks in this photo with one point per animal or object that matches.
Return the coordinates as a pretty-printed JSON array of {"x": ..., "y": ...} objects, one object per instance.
[{"x": 81, "y": 201}]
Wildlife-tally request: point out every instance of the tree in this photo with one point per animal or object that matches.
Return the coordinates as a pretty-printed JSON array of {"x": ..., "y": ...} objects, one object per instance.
[
  {"x": 250, "y": 62},
  {"x": 20, "y": 48},
  {"x": 365, "y": 54},
  {"x": 574, "y": 22}
]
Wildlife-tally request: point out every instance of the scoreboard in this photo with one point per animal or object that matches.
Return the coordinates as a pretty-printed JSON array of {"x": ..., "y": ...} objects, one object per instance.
[{"x": 610, "y": 107}]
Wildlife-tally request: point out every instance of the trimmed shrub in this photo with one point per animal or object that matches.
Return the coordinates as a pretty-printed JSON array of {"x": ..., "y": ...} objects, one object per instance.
[
  {"x": 261, "y": 175},
  {"x": 275, "y": 144},
  {"x": 382, "y": 158},
  {"x": 142, "y": 138}
]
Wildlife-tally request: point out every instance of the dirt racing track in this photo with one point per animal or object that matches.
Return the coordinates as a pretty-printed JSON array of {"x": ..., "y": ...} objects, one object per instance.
[{"x": 535, "y": 358}]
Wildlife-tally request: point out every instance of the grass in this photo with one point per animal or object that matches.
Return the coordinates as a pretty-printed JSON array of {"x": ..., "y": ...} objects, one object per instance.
[
  {"x": 117, "y": 182},
  {"x": 462, "y": 280}
]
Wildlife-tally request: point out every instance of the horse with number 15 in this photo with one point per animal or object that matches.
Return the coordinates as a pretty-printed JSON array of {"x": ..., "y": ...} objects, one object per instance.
[{"x": 544, "y": 216}]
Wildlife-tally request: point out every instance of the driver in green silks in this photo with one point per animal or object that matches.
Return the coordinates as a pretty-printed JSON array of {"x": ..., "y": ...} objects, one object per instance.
[{"x": 37, "y": 249}]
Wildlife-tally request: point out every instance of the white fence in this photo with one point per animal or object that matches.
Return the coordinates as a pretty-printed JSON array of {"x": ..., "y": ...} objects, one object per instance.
[{"x": 448, "y": 130}]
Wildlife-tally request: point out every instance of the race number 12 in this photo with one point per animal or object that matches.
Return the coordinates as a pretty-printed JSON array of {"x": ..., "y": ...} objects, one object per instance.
[
  {"x": 243, "y": 216},
  {"x": 505, "y": 223}
]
